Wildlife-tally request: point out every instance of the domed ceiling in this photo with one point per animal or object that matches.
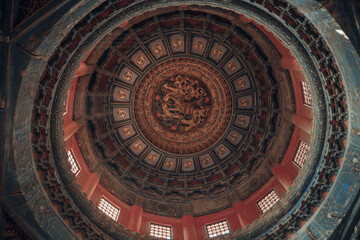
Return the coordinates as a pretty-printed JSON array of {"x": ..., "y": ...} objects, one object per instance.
[
  {"x": 186, "y": 106},
  {"x": 178, "y": 111}
]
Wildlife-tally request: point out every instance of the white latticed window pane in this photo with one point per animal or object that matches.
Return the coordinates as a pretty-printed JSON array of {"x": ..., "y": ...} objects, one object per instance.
[
  {"x": 160, "y": 231},
  {"x": 75, "y": 169},
  {"x": 217, "y": 229},
  {"x": 301, "y": 154},
  {"x": 109, "y": 209},
  {"x": 268, "y": 201},
  {"x": 306, "y": 93}
]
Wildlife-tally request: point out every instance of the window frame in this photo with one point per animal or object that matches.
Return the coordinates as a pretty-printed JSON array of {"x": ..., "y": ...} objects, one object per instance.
[
  {"x": 162, "y": 225},
  {"x": 219, "y": 221},
  {"x": 296, "y": 153},
  {"x": 75, "y": 161},
  {"x": 113, "y": 205},
  {"x": 268, "y": 193},
  {"x": 306, "y": 92}
]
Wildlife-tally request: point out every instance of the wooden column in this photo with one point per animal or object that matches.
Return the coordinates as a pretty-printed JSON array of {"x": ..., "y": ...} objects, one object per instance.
[
  {"x": 189, "y": 229},
  {"x": 135, "y": 218},
  {"x": 283, "y": 176},
  {"x": 83, "y": 69},
  {"x": 246, "y": 216},
  {"x": 302, "y": 122},
  {"x": 289, "y": 62},
  {"x": 70, "y": 129},
  {"x": 90, "y": 185}
]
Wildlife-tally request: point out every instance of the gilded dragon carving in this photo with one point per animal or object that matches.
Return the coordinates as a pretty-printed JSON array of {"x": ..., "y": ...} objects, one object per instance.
[{"x": 185, "y": 103}]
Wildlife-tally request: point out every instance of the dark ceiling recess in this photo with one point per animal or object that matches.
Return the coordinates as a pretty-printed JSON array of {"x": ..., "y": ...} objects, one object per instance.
[
  {"x": 11, "y": 229},
  {"x": 347, "y": 14}
]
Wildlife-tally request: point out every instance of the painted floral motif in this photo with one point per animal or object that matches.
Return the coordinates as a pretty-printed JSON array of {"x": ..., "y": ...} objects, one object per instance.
[
  {"x": 127, "y": 131},
  {"x": 205, "y": 160},
  {"x": 244, "y": 102},
  {"x": 216, "y": 52},
  {"x": 198, "y": 46},
  {"x": 157, "y": 49},
  {"x": 221, "y": 150},
  {"x": 138, "y": 146},
  {"x": 152, "y": 157},
  {"x": 231, "y": 66},
  {"x": 128, "y": 76},
  {"x": 122, "y": 95},
  {"x": 177, "y": 43},
  {"x": 233, "y": 137},
  {"x": 241, "y": 83},
  {"x": 169, "y": 163},
  {"x": 140, "y": 60},
  {"x": 121, "y": 113},
  {"x": 242, "y": 121},
  {"x": 187, "y": 164}
]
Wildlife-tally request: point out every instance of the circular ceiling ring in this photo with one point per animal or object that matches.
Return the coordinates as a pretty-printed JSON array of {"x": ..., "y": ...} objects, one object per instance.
[
  {"x": 307, "y": 62},
  {"x": 302, "y": 56},
  {"x": 263, "y": 111},
  {"x": 162, "y": 114}
]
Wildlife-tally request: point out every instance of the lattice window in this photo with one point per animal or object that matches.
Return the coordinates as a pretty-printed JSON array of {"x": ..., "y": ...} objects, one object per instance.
[
  {"x": 75, "y": 169},
  {"x": 109, "y": 209},
  {"x": 217, "y": 229},
  {"x": 301, "y": 154},
  {"x": 268, "y": 201},
  {"x": 306, "y": 93},
  {"x": 160, "y": 231}
]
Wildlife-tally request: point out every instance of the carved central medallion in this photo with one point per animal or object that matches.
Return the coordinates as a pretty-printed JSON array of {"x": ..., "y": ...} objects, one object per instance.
[{"x": 182, "y": 103}]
